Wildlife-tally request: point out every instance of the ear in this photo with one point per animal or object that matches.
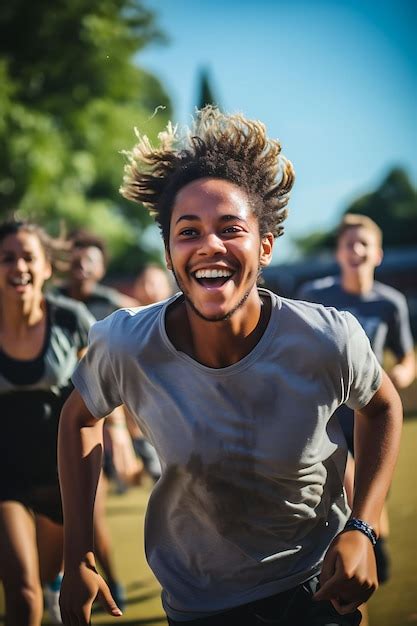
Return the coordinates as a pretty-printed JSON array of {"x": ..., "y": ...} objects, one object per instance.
[
  {"x": 168, "y": 259},
  {"x": 379, "y": 257},
  {"x": 48, "y": 271},
  {"x": 267, "y": 245}
]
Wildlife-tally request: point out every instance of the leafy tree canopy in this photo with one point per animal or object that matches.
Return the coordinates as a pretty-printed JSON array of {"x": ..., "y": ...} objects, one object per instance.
[
  {"x": 71, "y": 96},
  {"x": 393, "y": 206}
]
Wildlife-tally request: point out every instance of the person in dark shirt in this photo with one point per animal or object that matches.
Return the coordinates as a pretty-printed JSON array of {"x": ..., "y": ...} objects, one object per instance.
[
  {"x": 41, "y": 339},
  {"x": 88, "y": 266}
]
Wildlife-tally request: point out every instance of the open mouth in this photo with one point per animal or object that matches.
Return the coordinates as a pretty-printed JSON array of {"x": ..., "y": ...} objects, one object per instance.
[
  {"x": 213, "y": 277},
  {"x": 20, "y": 281}
]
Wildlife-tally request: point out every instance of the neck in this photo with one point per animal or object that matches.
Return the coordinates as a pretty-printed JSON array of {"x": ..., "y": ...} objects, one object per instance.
[
  {"x": 223, "y": 343},
  {"x": 80, "y": 291},
  {"x": 19, "y": 315},
  {"x": 357, "y": 283}
]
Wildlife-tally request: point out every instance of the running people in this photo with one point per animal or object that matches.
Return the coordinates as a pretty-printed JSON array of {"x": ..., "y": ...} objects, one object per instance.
[
  {"x": 237, "y": 389},
  {"x": 41, "y": 338},
  {"x": 382, "y": 312}
]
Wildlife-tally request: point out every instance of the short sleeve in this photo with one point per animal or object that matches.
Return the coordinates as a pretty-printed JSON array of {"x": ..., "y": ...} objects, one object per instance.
[
  {"x": 94, "y": 377},
  {"x": 400, "y": 339},
  {"x": 365, "y": 374}
]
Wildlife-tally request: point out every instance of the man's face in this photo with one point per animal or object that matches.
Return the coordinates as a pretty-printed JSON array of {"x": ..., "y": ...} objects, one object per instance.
[
  {"x": 358, "y": 251},
  {"x": 215, "y": 249},
  {"x": 87, "y": 264}
]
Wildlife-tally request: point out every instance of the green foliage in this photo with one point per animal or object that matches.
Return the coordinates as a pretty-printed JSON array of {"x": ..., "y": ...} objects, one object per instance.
[
  {"x": 393, "y": 206},
  {"x": 71, "y": 96}
]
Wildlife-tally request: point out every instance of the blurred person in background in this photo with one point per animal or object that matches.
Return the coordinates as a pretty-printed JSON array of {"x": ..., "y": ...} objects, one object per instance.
[
  {"x": 236, "y": 388},
  {"x": 88, "y": 263},
  {"x": 152, "y": 284},
  {"x": 382, "y": 312},
  {"x": 41, "y": 339},
  {"x": 88, "y": 266}
]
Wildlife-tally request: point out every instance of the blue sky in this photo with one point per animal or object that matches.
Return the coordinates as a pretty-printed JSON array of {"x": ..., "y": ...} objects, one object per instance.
[{"x": 335, "y": 81}]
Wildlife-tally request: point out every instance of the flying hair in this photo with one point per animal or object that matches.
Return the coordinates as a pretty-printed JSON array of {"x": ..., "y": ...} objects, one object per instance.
[{"x": 217, "y": 145}]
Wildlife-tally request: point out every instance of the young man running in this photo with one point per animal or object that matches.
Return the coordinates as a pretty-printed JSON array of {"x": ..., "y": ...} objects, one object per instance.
[
  {"x": 382, "y": 312},
  {"x": 237, "y": 389}
]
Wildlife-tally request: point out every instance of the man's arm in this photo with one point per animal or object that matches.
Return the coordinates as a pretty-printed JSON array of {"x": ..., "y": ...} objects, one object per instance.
[
  {"x": 348, "y": 575},
  {"x": 80, "y": 445}
]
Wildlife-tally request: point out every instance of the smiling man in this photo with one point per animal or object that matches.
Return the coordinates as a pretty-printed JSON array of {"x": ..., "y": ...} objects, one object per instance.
[
  {"x": 237, "y": 389},
  {"x": 383, "y": 314}
]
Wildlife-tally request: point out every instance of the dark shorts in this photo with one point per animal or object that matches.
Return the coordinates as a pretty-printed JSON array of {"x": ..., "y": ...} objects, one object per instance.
[
  {"x": 41, "y": 499},
  {"x": 294, "y": 607}
]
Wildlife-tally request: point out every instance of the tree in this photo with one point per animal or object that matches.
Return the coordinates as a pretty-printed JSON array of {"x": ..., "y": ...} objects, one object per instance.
[
  {"x": 205, "y": 91},
  {"x": 71, "y": 96},
  {"x": 393, "y": 206}
]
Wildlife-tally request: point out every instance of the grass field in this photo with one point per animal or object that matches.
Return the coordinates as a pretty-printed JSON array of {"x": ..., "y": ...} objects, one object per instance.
[{"x": 393, "y": 605}]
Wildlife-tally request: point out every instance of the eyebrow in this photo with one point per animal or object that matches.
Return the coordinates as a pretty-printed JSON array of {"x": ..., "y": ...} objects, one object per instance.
[{"x": 196, "y": 218}]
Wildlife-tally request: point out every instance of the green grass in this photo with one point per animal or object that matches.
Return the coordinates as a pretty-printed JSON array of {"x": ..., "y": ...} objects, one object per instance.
[{"x": 393, "y": 605}]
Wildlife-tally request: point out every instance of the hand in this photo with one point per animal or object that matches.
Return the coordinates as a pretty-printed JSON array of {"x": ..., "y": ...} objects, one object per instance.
[
  {"x": 79, "y": 589},
  {"x": 400, "y": 376},
  {"x": 348, "y": 576}
]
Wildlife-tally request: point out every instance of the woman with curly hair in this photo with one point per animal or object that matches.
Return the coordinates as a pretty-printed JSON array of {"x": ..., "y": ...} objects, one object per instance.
[{"x": 236, "y": 388}]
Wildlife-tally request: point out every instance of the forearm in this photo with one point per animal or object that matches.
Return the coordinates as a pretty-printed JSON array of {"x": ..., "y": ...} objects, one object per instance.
[
  {"x": 80, "y": 444},
  {"x": 377, "y": 441}
]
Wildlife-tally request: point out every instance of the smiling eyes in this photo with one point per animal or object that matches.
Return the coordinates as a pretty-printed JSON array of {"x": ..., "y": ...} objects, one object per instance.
[
  {"x": 8, "y": 258},
  {"x": 188, "y": 233}
]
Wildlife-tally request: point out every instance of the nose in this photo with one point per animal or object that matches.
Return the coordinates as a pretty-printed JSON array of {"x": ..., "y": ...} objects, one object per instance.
[
  {"x": 358, "y": 248},
  {"x": 212, "y": 244},
  {"x": 21, "y": 264}
]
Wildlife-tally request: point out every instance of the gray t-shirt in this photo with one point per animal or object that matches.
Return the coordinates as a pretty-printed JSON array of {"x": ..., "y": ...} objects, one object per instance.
[
  {"x": 382, "y": 312},
  {"x": 251, "y": 492}
]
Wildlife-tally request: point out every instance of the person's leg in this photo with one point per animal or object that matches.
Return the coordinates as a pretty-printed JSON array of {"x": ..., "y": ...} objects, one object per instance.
[
  {"x": 19, "y": 565},
  {"x": 49, "y": 537},
  {"x": 102, "y": 543}
]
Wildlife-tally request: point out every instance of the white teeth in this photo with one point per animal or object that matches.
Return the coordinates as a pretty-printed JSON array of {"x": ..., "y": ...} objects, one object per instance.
[
  {"x": 22, "y": 280},
  {"x": 213, "y": 273}
]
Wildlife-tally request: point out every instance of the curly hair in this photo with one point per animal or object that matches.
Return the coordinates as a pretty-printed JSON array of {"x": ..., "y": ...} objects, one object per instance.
[{"x": 218, "y": 145}]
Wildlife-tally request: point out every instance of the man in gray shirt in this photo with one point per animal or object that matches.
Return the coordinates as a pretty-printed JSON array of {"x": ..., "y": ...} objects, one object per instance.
[
  {"x": 380, "y": 309},
  {"x": 237, "y": 389}
]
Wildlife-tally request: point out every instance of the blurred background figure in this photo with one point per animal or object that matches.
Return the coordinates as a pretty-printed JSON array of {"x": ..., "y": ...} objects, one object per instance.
[
  {"x": 41, "y": 339},
  {"x": 152, "y": 284},
  {"x": 382, "y": 312},
  {"x": 88, "y": 262},
  {"x": 88, "y": 266}
]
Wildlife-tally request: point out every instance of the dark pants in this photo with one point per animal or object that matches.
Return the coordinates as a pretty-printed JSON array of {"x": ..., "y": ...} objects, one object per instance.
[{"x": 294, "y": 607}]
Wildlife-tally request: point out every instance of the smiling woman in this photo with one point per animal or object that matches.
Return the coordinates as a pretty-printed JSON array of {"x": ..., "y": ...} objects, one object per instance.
[
  {"x": 40, "y": 340},
  {"x": 237, "y": 389}
]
